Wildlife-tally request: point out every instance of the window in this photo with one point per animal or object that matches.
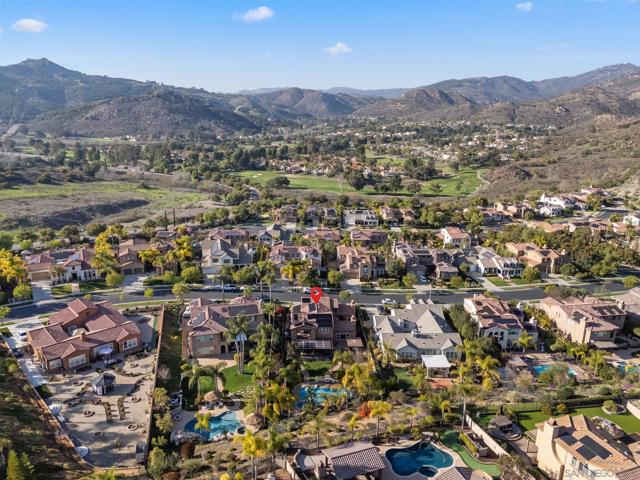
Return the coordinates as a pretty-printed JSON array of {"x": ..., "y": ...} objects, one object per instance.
[
  {"x": 77, "y": 360},
  {"x": 128, "y": 344},
  {"x": 324, "y": 329},
  {"x": 55, "y": 363}
]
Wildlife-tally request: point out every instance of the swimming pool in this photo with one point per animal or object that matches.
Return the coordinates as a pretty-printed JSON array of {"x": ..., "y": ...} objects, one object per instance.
[
  {"x": 224, "y": 423},
  {"x": 320, "y": 394},
  {"x": 538, "y": 369},
  {"x": 422, "y": 457}
]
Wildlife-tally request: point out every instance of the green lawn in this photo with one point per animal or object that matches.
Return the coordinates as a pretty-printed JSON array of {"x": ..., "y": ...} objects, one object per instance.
[
  {"x": 62, "y": 289},
  {"x": 458, "y": 184},
  {"x": 206, "y": 384},
  {"x": 234, "y": 381},
  {"x": 626, "y": 421},
  {"x": 498, "y": 282},
  {"x": 405, "y": 378},
  {"x": 450, "y": 439},
  {"x": 85, "y": 287},
  {"x": 318, "y": 368}
]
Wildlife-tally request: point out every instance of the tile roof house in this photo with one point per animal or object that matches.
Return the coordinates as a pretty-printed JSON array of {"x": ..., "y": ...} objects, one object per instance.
[
  {"x": 325, "y": 325},
  {"x": 282, "y": 252},
  {"x": 357, "y": 263},
  {"x": 391, "y": 216},
  {"x": 324, "y": 234},
  {"x": 417, "y": 259},
  {"x": 234, "y": 236},
  {"x": 367, "y": 237},
  {"x": 546, "y": 260},
  {"x": 630, "y": 303},
  {"x": 360, "y": 216},
  {"x": 205, "y": 324},
  {"x": 272, "y": 234},
  {"x": 574, "y": 447},
  {"x": 455, "y": 237},
  {"x": 495, "y": 319},
  {"x": 462, "y": 473},
  {"x": 487, "y": 263},
  {"x": 287, "y": 214},
  {"x": 80, "y": 333},
  {"x": 127, "y": 256},
  {"x": 354, "y": 460},
  {"x": 586, "y": 321},
  {"x": 217, "y": 252},
  {"x": 61, "y": 266},
  {"x": 419, "y": 329}
]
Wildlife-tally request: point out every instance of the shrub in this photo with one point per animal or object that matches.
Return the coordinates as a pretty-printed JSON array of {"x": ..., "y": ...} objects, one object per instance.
[
  {"x": 604, "y": 391},
  {"x": 466, "y": 441},
  {"x": 564, "y": 393},
  {"x": 561, "y": 409},
  {"x": 610, "y": 406}
]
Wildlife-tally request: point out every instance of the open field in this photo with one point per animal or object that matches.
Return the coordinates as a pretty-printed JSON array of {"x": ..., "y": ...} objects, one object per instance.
[
  {"x": 54, "y": 205},
  {"x": 458, "y": 184}
]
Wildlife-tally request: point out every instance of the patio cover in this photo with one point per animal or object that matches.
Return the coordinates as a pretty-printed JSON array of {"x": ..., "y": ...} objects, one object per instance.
[
  {"x": 354, "y": 459},
  {"x": 435, "y": 361}
]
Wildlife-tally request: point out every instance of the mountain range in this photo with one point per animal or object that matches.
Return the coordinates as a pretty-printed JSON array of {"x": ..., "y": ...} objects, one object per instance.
[{"x": 60, "y": 100}]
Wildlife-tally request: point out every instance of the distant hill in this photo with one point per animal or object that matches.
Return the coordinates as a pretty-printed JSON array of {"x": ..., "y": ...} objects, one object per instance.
[{"x": 61, "y": 100}]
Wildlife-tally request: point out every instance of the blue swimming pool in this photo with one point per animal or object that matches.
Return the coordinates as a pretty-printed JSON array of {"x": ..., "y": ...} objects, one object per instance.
[
  {"x": 423, "y": 457},
  {"x": 224, "y": 423},
  {"x": 320, "y": 393},
  {"x": 538, "y": 369}
]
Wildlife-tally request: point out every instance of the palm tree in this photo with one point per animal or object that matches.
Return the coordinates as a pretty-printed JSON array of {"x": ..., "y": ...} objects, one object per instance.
[
  {"x": 489, "y": 370},
  {"x": 342, "y": 359},
  {"x": 412, "y": 412},
  {"x": 278, "y": 400},
  {"x": 596, "y": 360},
  {"x": 316, "y": 426},
  {"x": 202, "y": 421},
  {"x": 352, "y": 424},
  {"x": 525, "y": 341},
  {"x": 378, "y": 409},
  {"x": 237, "y": 331},
  {"x": 445, "y": 409},
  {"x": 357, "y": 378},
  {"x": 470, "y": 349},
  {"x": 253, "y": 447},
  {"x": 276, "y": 443}
]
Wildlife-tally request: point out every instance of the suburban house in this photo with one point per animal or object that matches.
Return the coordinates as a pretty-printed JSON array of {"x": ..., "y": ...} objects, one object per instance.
[
  {"x": 360, "y": 216},
  {"x": 418, "y": 330},
  {"x": 217, "y": 253},
  {"x": 546, "y": 260},
  {"x": 205, "y": 324},
  {"x": 325, "y": 325},
  {"x": 550, "y": 211},
  {"x": 512, "y": 210},
  {"x": 391, "y": 216},
  {"x": 282, "y": 252},
  {"x": 417, "y": 259},
  {"x": 287, "y": 214},
  {"x": 330, "y": 217},
  {"x": 463, "y": 473},
  {"x": 127, "y": 256},
  {"x": 573, "y": 447},
  {"x": 324, "y": 234},
  {"x": 489, "y": 263},
  {"x": 234, "y": 236},
  {"x": 78, "y": 334},
  {"x": 455, "y": 237},
  {"x": 357, "y": 263},
  {"x": 273, "y": 234},
  {"x": 630, "y": 303},
  {"x": 351, "y": 460},
  {"x": 587, "y": 321},
  {"x": 61, "y": 266},
  {"x": 495, "y": 319},
  {"x": 367, "y": 237},
  {"x": 560, "y": 201}
]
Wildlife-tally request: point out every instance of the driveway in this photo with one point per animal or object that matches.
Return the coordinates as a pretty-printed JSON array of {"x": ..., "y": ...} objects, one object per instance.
[
  {"x": 27, "y": 324},
  {"x": 32, "y": 371}
]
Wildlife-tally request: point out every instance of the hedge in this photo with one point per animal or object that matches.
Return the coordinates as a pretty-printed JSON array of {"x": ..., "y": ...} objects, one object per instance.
[{"x": 466, "y": 441}]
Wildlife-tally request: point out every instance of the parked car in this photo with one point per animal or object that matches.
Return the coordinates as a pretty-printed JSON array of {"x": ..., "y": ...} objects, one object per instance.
[
  {"x": 17, "y": 353},
  {"x": 387, "y": 301},
  {"x": 230, "y": 287},
  {"x": 382, "y": 310},
  {"x": 423, "y": 279},
  {"x": 306, "y": 290},
  {"x": 22, "y": 335},
  {"x": 111, "y": 361}
]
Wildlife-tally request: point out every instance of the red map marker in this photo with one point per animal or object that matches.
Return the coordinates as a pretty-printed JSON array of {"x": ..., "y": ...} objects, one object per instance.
[{"x": 316, "y": 294}]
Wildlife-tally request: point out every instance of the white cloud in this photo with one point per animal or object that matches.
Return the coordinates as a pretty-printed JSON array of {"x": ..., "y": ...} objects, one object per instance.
[
  {"x": 524, "y": 6},
  {"x": 338, "y": 49},
  {"x": 30, "y": 25},
  {"x": 257, "y": 14}
]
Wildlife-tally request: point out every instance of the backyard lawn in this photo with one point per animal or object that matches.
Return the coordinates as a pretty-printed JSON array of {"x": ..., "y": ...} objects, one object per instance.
[
  {"x": 450, "y": 439},
  {"x": 318, "y": 368},
  {"x": 234, "y": 381},
  {"x": 405, "y": 379},
  {"x": 626, "y": 421},
  {"x": 206, "y": 384}
]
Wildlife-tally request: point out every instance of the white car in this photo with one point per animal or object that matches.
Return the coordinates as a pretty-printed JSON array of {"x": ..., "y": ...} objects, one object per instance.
[
  {"x": 306, "y": 290},
  {"x": 387, "y": 301},
  {"x": 22, "y": 334}
]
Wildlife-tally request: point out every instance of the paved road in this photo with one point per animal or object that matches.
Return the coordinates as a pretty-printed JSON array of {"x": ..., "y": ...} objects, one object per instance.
[{"x": 373, "y": 298}]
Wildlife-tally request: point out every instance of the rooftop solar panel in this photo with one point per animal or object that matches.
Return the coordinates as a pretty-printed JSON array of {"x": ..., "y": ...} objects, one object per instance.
[
  {"x": 586, "y": 452},
  {"x": 595, "y": 447}
]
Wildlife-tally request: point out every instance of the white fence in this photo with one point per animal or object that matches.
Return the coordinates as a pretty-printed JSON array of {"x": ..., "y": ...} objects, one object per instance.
[{"x": 488, "y": 439}]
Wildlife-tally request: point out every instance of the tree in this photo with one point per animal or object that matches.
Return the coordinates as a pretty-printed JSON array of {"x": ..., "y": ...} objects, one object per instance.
[
  {"x": 22, "y": 292},
  {"x": 4, "y": 312},
  {"x": 277, "y": 183},
  {"x": 159, "y": 462},
  {"x": 278, "y": 400},
  {"x": 114, "y": 279},
  {"x": 191, "y": 274},
  {"x": 334, "y": 277},
  {"x": 316, "y": 426},
  {"x": 356, "y": 179},
  {"x": 630, "y": 281},
  {"x": 202, "y": 421},
  {"x": 445, "y": 409},
  {"x": 531, "y": 275},
  {"x": 276, "y": 443},
  {"x": 414, "y": 187},
  {"x": 436, "y": 188},
  {"x": 15, "y": 470},
  {"x": 378, "y": 409},
  {"x": 456, "y": 282},
  {"x": 525, "y": 341},
  {"x": 488, "y": 367},
  {"x": 253, "y": 447},
  {"x": 409, "y": 280},
  {"x": 394, "y": 268},
  {"x": 179, "y": 290},
  {"x": 352, "y": 424},
  {"x": 568, "y": 270},
  {"x": 344, "y": 295},
  {"x": 148, "y": 293},
  {"x": 237, "y": 332}
]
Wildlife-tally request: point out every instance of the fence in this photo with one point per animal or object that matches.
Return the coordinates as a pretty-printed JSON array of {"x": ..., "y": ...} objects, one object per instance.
[
  {"x": 160, "y": 325},
  {"x": 494, "y": 446}
]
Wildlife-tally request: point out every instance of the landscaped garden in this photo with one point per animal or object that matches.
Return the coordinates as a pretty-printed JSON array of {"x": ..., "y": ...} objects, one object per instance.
[
  {"x": 235, "y": 381},
  {"x": 450, "y": 439}
]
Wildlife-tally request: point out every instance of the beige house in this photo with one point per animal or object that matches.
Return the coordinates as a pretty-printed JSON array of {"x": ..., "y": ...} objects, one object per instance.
[
  {"x": 572, "y": 447},
  {"x": 357, "y": 263},
  {"x": 588, "y": 321},
  {"x": 546, "y": 260},
  {"x": 455, "y": 237}
]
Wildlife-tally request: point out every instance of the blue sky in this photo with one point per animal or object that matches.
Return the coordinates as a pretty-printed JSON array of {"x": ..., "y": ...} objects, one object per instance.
[{"x": 232, "y": 45}]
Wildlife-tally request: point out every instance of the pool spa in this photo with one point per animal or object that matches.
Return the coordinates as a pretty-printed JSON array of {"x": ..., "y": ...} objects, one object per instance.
[
  {"x": 422, "y": 457},
  {"x": 539, "y": 369},
  {"x": 222, "y": 424},
  {"x": 320, "y": 394}
]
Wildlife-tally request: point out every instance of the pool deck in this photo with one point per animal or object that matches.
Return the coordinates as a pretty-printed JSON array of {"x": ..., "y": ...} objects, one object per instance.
[
  {"x": 389, "y": 474},
  {"x": 186, "y": 415}
]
